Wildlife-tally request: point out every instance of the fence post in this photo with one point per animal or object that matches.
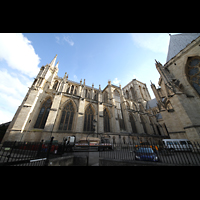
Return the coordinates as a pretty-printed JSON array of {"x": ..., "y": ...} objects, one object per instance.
[
  {"x": 48, "y": 151},
  {"x": 11, "y": 151},
  {"x": 39, "y": 149}
]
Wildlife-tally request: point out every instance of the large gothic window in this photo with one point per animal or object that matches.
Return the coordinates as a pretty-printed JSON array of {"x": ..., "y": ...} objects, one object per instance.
[
  {"x": 106, "y": 121},
  {"x": 105, "y": 97},
  {"x": 67, "y": 117},
  {"x": 88, "y": 121},
  {"x": 193, "y": 72},
  {"x": 44, "y": 112},
  {"x": 134, "y": 130}
]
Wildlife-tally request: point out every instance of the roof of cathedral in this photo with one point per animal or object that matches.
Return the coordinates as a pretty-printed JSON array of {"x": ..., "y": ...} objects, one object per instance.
[{"x": 179, "y": 42}]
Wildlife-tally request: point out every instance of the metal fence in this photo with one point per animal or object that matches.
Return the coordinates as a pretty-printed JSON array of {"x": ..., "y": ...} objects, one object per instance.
[
  {"x": 176, "y": 154},
  {"x": 25, "y": 153}
]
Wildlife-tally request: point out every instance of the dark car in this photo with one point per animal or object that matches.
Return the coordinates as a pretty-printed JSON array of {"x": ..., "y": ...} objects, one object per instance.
[{"x": 146, "y": 154}]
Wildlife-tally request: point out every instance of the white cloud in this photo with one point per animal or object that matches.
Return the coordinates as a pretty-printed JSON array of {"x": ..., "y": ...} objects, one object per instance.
[
  {"x": 61, "y": 40},
  {"x": 156, "y": 42},
  {"x": 19, "y": 53},
  {"x": 57, "y": 39},
  {"x": 12, "y": 93},
  {"x": 68, "y": 40},
  {"x": 75, "y": 78},
  {"x": 116, "y": 81}
]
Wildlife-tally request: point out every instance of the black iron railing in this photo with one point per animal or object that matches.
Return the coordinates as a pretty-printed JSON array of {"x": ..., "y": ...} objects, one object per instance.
[
  {"x": 170, "y": 154},
  {"x": 25, "y": 153}
]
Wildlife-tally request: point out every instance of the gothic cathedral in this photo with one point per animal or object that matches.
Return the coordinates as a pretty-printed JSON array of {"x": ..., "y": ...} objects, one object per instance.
[{"x": 59, "y": 107}]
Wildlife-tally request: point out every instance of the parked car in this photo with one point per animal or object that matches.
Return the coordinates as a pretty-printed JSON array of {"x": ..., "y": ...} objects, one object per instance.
[
  {"x": 177, "y": 144},
  {"x": 146, "y": 154}
]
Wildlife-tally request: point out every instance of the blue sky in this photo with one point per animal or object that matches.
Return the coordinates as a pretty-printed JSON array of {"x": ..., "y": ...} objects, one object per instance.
[{"x": 96, "y": 57}]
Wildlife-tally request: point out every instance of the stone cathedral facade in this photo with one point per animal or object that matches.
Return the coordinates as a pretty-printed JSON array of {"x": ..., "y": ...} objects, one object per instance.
[{"x": 59, "y": 107}]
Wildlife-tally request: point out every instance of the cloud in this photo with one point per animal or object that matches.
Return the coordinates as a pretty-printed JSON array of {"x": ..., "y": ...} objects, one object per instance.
[
  {"x": 57, "y": 39},
  {"x": 156, "y": 42},
  {"x": 19, "y": 54},
  {"x": 116, "y": 81},
  {"x": 75, "y": 78},
  {"x": 68, "y": 40}
]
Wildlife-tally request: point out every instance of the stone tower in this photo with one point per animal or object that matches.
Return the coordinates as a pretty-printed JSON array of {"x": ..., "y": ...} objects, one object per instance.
[
  {"x": 178, "y": 96},
  {"x": 23, "y": 116}
]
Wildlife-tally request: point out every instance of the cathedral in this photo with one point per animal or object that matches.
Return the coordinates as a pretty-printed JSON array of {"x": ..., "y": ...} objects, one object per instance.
[{"x": 58, "y": 107}]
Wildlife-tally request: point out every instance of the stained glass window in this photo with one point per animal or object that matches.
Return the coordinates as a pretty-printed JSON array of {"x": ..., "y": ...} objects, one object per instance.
[
  {"x": 44, "y": 112},
  {"x": 193, "y": 72},
  {"x": 67, "y": 117},
  {"x": 88, "y": 121}
]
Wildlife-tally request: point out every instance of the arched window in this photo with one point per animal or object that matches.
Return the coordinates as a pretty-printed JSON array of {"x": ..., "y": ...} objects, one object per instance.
[
  {"x": 75, "y": 91},
  {"x": 105, "y": 97},
  {"x": 67, "y": 117},
  {"x": 86, "y": 93},
  {"x": 134, "y": 129},
  {"x": 44, "y": 112},
  {"x": 72, "y": 89},
  {"x": 106, "y": 121},
  {"x": 68, "y": 89},
  {"x": 193, "y": 72},
  {"x": 55, "y": 85},
  {"x": 95, "y": 95},
  {"x": 88, "y": 121},
  {"x": 127, "y": 94}
]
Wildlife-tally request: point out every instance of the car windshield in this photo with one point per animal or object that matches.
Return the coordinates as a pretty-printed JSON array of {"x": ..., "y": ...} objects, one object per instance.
[{"x": 145, "y": 150}]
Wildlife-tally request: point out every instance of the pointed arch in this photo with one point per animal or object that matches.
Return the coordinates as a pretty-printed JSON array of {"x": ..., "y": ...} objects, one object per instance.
[
  {"x": 106, "y": 120},
  {"x": 88, "y": 118},
  {"x": 66, "y": 102},
  {"x": 67, "y": 116},
  {"x": 43, "y": 114},
  {"x": 193, "y": 72}
]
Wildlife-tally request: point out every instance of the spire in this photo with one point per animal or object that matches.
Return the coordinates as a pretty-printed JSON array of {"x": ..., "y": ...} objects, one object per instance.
[
  {"x": 57, "y": 65},
  {"x": 52, "y": 63}
]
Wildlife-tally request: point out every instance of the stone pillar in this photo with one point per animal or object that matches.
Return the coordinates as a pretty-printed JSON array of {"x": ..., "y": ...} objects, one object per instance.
[{"x": 51, "y": 119}]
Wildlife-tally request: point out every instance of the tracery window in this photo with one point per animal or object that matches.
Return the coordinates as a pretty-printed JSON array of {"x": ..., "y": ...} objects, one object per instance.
[
  {"x": 105, "y": 97},
  {"x": 44, "y": 112},
  {"x": 193, "y": 72},
  {"x": 67, "y": 117},
  {"x": 106, "y": 121},
  {"x": 88, "y": 121}
]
